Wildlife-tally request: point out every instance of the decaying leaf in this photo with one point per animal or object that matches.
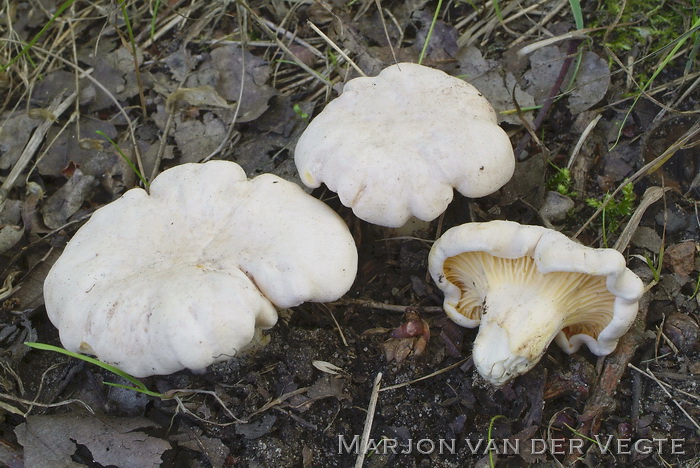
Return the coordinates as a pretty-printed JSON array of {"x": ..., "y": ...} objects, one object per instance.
[
  {"x": 496, "y": 84},
  {"x": 10, "y": 230},
  {"x": 443, "y": 37},
  {"x": 15, "y": 130},
  {"x": 224, "y": 71},
  {"x": 327, "y": 367},
  {"x": 212, "y": 448},
  {"x": 66, "y": 147},
  {"x": 258, "y": 428},
  {"x": 197, "y": 139},
  {"x": 327, "y": 387},
  {"x": 202, "y": 96},
  {"x": 591, "y": 83},
  {"x": 51, "y": 441},
  {"x": 411, "y": 337},
  {"x": 67, "y": 200},
  {"x": 681, "y": 257},
  {"x": 52, "y": 85},
  {"x": 588, "y": 88},
  {"x": 29, "y": 292},
  {"x": 115, "y": 71},
  {"x": 9, "y": 236},
  {"x": 267, "y": 152}
]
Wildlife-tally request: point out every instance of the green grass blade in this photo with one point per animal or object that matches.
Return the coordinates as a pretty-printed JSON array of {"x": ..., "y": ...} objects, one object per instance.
[
  {"x": 497, "y": 10},
  {"x": 578, "y": 14},
  {"x": 139, "y": 386},
  {"x": 679, "y": 43},
  {"x": 36, "y": 38},
  {"x": 491, "y": 463},
  {"x": 154, "y": 19},
  {"x": 430, "y": 33},
  {"x": 131, "y": 165},
  {"x": 140, "y": 390}
]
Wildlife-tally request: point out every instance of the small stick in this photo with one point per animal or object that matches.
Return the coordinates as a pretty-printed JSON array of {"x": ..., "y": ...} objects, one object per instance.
[
  {"x": 368, "y": 420},
  {"x": 600, "y": 400},
  {"x": 431, "y": 375},
  {"x": 651, "y": 195},
  {"x": 544, "y": 111},
  {"x": 651, "y": 375},
  {"x": 388, "y": 307},
  {"x": 647, "y": 169},
  {"x": 579, "y": 144},
  {"x": 336, "y": 48},
  {"x": 57, "y": 107},
  {"x": 337, "y": 325},
  {"x": 554, "y": 12}
]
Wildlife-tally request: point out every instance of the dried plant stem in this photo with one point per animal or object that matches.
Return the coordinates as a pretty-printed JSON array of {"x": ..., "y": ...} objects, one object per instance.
[
  {"x": 388, "y": 307},
  {"x": 661, "y": 385},
  {"x": 544, "y": 111},
  {"x": 600, "y": 400},
  {"x": 429, "y": 376},
  {"x": 545, "y": 19},
  {"x": 651, "y": 195},
  {"x": 336, "y": 48},
  {"x": 648, "y": 168},
  {"x": 86, "y": 74},
  {"x": 368, "y": 420},
  {"x": 45, "y": 405},
  {"x": 232, "y": 125},
  {"x": 579, "y": 144},
  {"x": 57, "y": 107}
]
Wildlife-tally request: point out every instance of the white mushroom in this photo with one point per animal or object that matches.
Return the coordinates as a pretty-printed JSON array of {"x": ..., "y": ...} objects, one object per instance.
[
  {"x": 524, "y": 286},
  {"x": 184, "y": 277},
  {"x": 395, "y": 145}
]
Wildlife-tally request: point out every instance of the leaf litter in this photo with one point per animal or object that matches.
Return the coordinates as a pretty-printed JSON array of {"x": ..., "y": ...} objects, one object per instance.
[{"x": 248, "y": 102}]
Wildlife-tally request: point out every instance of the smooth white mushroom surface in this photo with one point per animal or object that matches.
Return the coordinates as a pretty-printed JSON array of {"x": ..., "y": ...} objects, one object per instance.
[
  {"x": 525, "y": 286},
  {"x": 394, "y": 146},
  {"x": 184, "y": 276}
]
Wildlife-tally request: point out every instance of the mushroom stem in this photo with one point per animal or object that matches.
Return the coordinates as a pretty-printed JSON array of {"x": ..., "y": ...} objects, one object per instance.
[{"x": 517, "y": 325}]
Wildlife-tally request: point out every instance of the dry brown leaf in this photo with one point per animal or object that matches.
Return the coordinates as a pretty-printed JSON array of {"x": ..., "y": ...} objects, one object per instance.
[{"x": 51, "y": 441}]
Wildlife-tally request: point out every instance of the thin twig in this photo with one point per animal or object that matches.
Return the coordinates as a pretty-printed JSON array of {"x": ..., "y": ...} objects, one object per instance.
[
  {"x": 45, "y": 405},
  {"x": 337, "y": 325},
  {"x": 429, "y": 376},
  {"x": 57, "y": 107},
  {"x": 651, "y": 195},
  {"x": 386, "y": 30},
  {"x": 648, "y": 168},
  {"x": 336, "y": 48},
  {"x": 544, "y": 111},
  {"x": 662, "y": 386},
  {"x": 368, "y": 420},
  {"x": 388, "y": 307},
  {"x": 243, "y": 25},
  {"x": 579, "y": 144},
  {"x": 120, "y": 108}
]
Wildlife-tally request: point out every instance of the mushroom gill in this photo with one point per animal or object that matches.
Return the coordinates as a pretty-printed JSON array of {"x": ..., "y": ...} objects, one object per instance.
[{"x": 583, "y": 300}]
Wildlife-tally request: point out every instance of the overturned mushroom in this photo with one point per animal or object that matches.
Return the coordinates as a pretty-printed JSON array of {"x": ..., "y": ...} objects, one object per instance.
[
  {"x": 524, "y": 286},
  {"x": 394, "y": 146},
  {"x": 184, "y": 276}
]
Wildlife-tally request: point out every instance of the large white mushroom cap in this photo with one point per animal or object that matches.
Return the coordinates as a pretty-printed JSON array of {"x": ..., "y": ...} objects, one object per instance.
[
  {"x": 395, "y": 145},
  {"x": 184, "y": 277},
  {"x": 524, "y": 286}
]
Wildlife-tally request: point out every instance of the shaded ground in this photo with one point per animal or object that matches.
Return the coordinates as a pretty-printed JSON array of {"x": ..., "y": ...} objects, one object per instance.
[{"x": 275, "y": 407}]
